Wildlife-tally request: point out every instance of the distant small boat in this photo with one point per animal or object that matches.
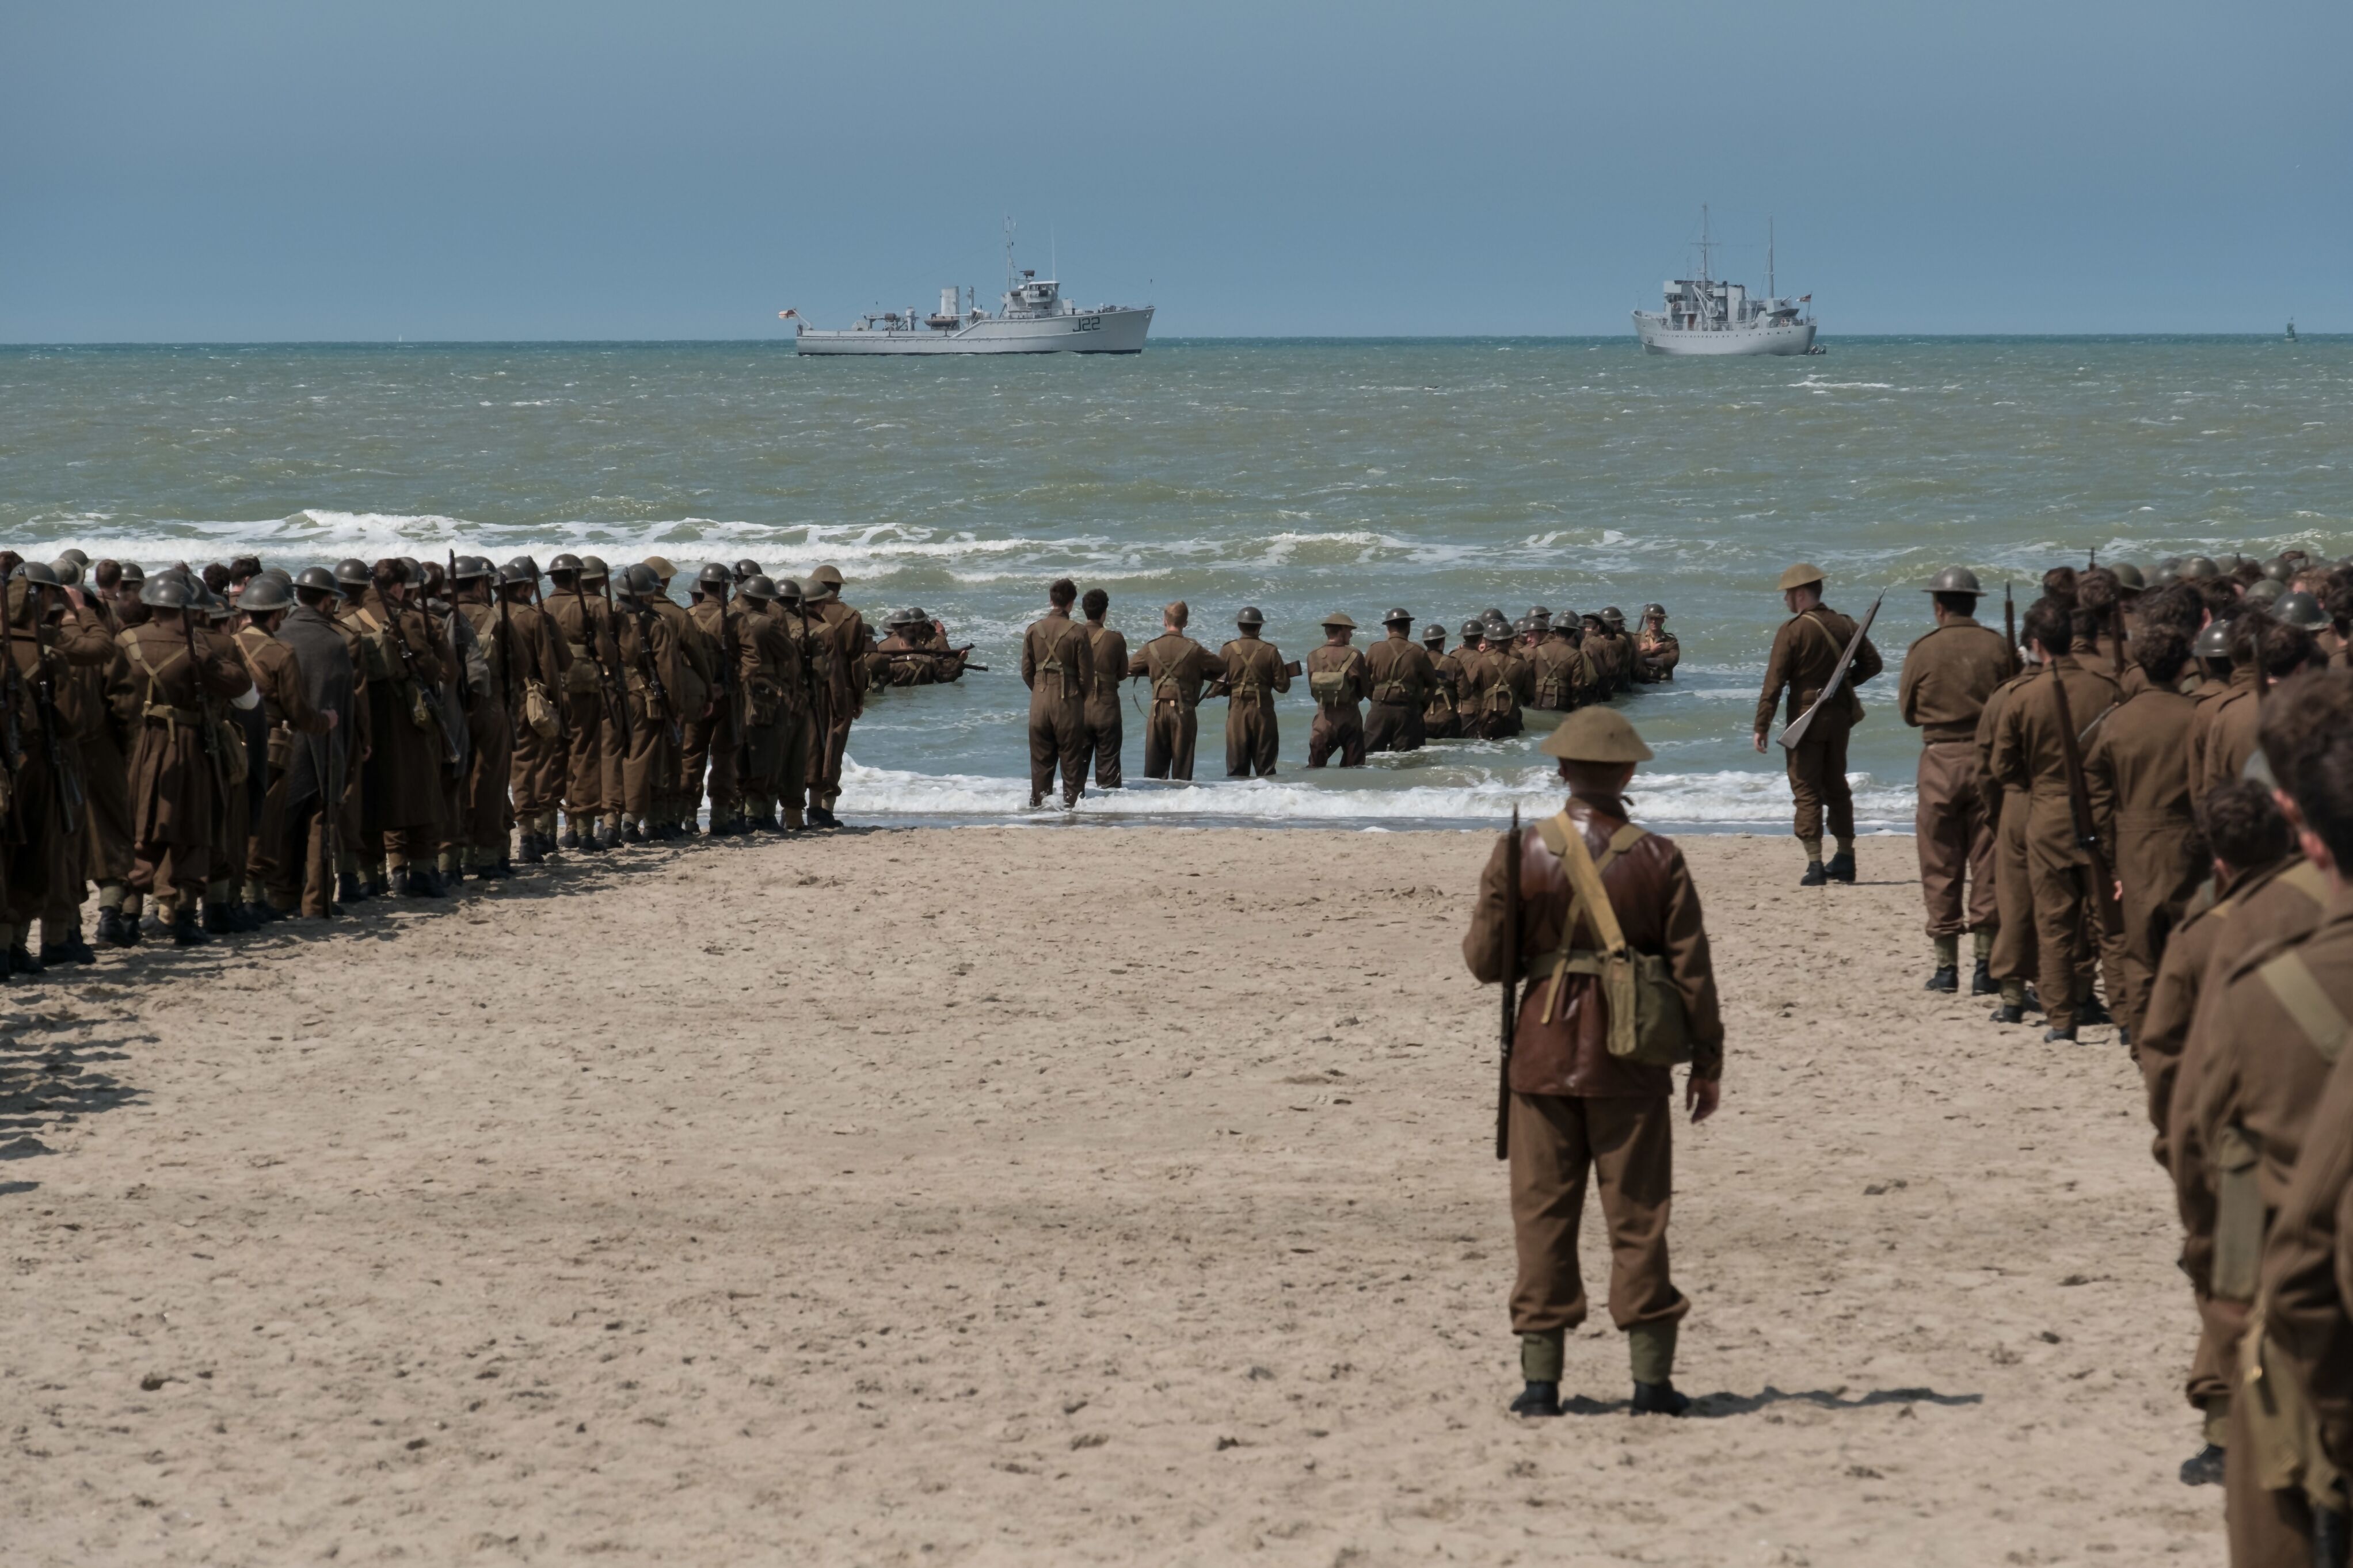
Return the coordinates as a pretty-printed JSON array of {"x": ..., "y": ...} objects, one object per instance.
[{"x": 2291, "y": 328}]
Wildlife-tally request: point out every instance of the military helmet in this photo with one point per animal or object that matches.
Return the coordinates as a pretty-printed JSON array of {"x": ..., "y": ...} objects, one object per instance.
[
  {"x": 33, "y": 571},
  {"x": 470, "y": 568},
  {"x": 1248, "y": 616},
  {"x": 2264, "y": 592},
  {"x": 133, "y": 574},
  {"x": 593, "y": 569},
  {"x": 2129, "y": 578},
  {"x": 788, "y": 590},
  {"x": 279, "y": 573},
  {"x": 1395, "y": 617},
  {"x": 527, "y": 565},
  {"x": 1525, "y": 624},
  {"x": 351, "y": 573},
  {"x": 565, "y": 563},
  {"x": 660, "y": 567},
  {"x": 2300, "y": 609},
  {"x": 645, "y": 579},
  {"x": 1539, "y": 613},
  {"x": 1596, "y": 735},
  {"x": 898, "y": 618},
  {"x": 68, "y": 571},
  {"x": 1658, "y": 610},
  {"x": 517, "y": 574},
  {"x": 2201, "y": 569},
  {"x": 747, "y": 570},
  {"x": 826, "y": 577},
  {"x": 1492, "y": 613},
  {"x": 624, "y": 591},
  {"x": 1955, "y": 580},
  {"x": 1613, "y": 617},
  {"x": 1434, "y": 634},
  {"x": 2278, "y": 569},
  {"x": 714, "y": 575},
  {"x": 1340, "y": 619},
  {"x": 263, "y": 595},
  {"x": 2213, "y": 643},
  {"x": 318, "y": 579},
  {"x": 79, "y": 557},
  {"x": 919, "y": 616},
  {"x": 1473, "y": 630},
  {"x": 215, "y": 606},
  {"x": 166, "y": 591},
  {"x": 1800, "y": 575},
  {"x": 757, "y": 589}
]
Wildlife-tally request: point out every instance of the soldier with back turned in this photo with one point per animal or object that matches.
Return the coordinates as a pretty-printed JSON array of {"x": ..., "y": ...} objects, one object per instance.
[
  {"x": 1401, "y": 683},
  {"x": 1806, "y": 651},
  {"x": 1174, "y": 669},
  {"x": 1254, "y": 676},
  {"x": 1948, "y": 676}
]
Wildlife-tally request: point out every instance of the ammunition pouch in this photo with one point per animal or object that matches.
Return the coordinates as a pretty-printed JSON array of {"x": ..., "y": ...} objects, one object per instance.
[
  {"x": 1396, "y": 693},
  {"x": 1647, "y": 1023},
  {"x": 170, "y": 715},
  {"x": 2282, "y": 1426},
  {"x": 538, "y": 711},
  {"x": 2239, "y": 1220},
  {"x": 281, "y": 749},
  {"x": 1497, "y": 699},
  {"x": 228, "y": 742}
]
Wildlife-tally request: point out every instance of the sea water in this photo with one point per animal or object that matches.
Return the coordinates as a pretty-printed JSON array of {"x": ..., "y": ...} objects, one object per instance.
[{"x": 1440, "y": 477}]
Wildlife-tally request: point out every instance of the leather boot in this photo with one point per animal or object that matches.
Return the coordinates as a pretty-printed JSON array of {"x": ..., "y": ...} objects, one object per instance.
[
  {"x": 1981, "y": 981},
  {"x": 1537, "y": 1399},
  {"x": 2009, "y": 1013},
  {"x": 1658, "y": 1399},
  {"x": 592, "y": 845},
  {"x": 533, "y": 854},
  {"x": 1815, "y": 875},
  {"x": 217, "y": 920},
  {"x": 1948, "y": 979},
  {"x": 21, "y": 959},
  {"x": 348, "y": 889},
  {"x": 1841, "y": 867},
  {"x": 115, "y": 931},
  {"x": 186, "y": 932},
  {"x": 416, "y": 882},
  {"x": 2092, "y": 1010},
  {"x": 260, "y": 913},
  {"x": 2204, "y": 1467},
  {"x": 570, "y": 839},
  {"x": 73, "y": 949},
  {"x": 2053, "y": 1036},
  {"x": 631, "y": 834}
]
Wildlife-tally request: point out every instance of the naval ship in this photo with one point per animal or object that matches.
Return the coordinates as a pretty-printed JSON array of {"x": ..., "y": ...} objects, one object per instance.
[
  {"x": 1705, "y": 315},
  {"x": 1034, "y": 319}
]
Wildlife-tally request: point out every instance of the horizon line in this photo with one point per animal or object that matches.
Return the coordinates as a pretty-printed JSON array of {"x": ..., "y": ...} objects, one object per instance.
[{"x": 1366, "y": 338}]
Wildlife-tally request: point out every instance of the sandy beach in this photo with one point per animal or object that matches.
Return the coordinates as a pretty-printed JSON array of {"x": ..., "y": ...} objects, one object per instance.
[{"x": 1016, "y": 1196}]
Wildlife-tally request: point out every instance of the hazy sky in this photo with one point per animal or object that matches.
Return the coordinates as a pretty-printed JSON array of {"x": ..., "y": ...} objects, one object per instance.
[{"x": 187, "y": 170}]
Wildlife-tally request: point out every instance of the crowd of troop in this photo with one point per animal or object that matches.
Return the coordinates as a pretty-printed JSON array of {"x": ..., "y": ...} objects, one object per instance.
[
  {"x": 226, "y": 746},
  {"x": 2138, "y": 803},
  {"x": 1395, "y": 695}
]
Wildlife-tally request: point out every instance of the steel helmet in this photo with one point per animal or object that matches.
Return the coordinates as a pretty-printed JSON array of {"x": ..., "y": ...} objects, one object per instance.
[
  {"x": 2129, "y": 578},
  {"x": 593, "y": 568},
  {"x": 1473, "y": 630},
  {"x": 164, "y": 591},
  {"x": 1434, "y": 635},
  {"x": 264, "y": 595},
  {"x": 714, "y": 575},
  {"x": 758, "y": 589},
  {"x": 1955, "y": 580},
  {"x": 788, "y": 590},
  {"x": 1248, "y": 616},
  {"x": 317, "y": 579},
  {"x": 2213, "y": 644},
  {"x": 747, "y": 570},
  {"x": 1397, "y": 616},
  {"x": 562, "y": 564},
  {"x": 2264, "y": 592},
  {"x": 2300, "y": 609},
  {"x": 2201, "y": 569}
]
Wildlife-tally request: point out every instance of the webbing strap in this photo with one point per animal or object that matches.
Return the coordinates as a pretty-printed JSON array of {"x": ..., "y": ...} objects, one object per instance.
[
  {"x": 2306, "y": 879},
  {"x": 1587, "y": 894},
  {"x": 2293, "y": 985}
]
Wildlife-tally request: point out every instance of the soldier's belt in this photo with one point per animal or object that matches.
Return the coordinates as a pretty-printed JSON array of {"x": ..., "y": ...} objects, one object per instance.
[{"x": 188, "y": 716}]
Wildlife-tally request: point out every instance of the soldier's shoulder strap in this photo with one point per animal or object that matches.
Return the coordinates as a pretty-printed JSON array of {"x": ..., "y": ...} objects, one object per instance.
[
  {"x": 2306, "y": 877},
  {"x": 1555, "y": 831},
  {"x": 2297, "y": 990}
]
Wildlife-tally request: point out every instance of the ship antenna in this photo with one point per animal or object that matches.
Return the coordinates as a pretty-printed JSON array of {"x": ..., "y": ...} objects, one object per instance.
[{"x": 1770, "y": 291}]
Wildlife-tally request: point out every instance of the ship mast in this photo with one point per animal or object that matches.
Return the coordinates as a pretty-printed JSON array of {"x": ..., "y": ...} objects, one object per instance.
[
  {"x": 1009, "y": 253},
  {"x": 1770, "y": 292},
  {"x": 1705, "y": 245}
]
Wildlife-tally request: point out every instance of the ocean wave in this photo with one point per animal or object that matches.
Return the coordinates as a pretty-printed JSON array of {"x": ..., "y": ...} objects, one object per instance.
[{"x": 1727, "y": 801}]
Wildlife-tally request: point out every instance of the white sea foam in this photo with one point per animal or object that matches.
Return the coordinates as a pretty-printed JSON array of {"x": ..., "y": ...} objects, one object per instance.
[{"x": 1715, "y": 801}]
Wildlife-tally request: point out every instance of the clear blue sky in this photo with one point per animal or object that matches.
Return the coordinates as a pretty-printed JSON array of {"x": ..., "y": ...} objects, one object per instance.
[{"x": 191, "y": 170}]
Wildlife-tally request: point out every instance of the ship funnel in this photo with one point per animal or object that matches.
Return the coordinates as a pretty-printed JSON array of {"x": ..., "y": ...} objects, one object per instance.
[{"x": 947, "y": 301}]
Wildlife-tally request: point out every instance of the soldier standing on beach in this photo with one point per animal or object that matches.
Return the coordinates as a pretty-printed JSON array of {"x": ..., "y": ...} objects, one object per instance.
[
  {"x": 1401, "y": 682},
  {"x": 1174, "y": 669},
  {"x": 1338, "y": 679},
  {"x": 852, "y": 643},
  {"x": 1948, "y": 676},
  {"x": 1578, "y": 1108},
  {"x": 1058, "y": 666},
  {"x": 1255, "y": 673},
  {"x": 1805, "y": 652},
  {"x": 1106, "y": 734},
  {"x": 2136, "y": 771}
]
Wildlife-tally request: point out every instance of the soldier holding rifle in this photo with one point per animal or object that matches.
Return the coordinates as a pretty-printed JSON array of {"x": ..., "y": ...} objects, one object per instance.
[
  {"x": 1807, "y": 653},
  {"x": 1603, "y": 922}
]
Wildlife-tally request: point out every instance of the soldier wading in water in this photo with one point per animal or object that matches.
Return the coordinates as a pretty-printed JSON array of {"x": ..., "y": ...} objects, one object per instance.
[{"x": 1603, "y": 922}]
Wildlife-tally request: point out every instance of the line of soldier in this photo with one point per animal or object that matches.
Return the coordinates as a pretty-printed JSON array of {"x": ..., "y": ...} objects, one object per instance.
[
  {"x": 238, "y": 744},
  {"x": 2151, "y": 794},
  {"x": 1393, "y": 696}
]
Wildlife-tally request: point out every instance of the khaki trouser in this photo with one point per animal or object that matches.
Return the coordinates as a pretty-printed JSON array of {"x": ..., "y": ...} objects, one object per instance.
[
  {"x": 1170, "y": 734},
  {"x": 1058, "y": 737},
  {"x": 1105, "y": 737},
  {"x": 2265, "y": 1528},
  {"x": 652, "y": 761},
  {"x": 1817, "y": 778},
  {"x": 710, "y": 752},
  {"x": 1556, "y": 1141},
  {"x": 825, "y": 762},
  {"x": 1955, "y": 841},
  {"x": 1336, "y": 729},
  {"x": 585, "y": 794},
  {"x": 2062, "y": 888},
  {"x": 488, "y": 817},
  {"x": 541, "y": 768},
  {"x": 2015, "y": 955},
  {"x": 1392, "y": 727},
  {"x": 1252, "y": 738}
]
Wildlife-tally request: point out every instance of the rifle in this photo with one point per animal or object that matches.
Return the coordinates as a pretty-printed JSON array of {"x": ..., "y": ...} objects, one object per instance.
[
  {"x": 616, "y": 709},
  {"x": 1511, "y": 1007},
  {"x": 2262, "y": 676},
  {"x": 739, "y": 708},
  {"x": 809, "y": 669},
  {"x": 2010, "y": 620},
  {"x": 2079, "y": 805},
  {"x": 506, "y": 652},
  {"x": 1796, "y": 732},
  {"x": 399, "y": 640},
  {"x": 70, "y": 797},
  {"x": 653, "y": 676}
]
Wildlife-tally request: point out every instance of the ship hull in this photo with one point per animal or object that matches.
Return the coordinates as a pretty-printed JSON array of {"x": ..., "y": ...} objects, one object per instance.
[
  {"x": 1658, "y": 338},
  {"x": 1119, "y": 332}
]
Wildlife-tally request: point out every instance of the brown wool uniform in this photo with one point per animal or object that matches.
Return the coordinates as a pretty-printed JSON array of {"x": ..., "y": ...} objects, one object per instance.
[
  {"x": 2137, "y": 771},
  {"x": 846, "y": 698},
  {"x": 1058, "y": 666},
  {"x": 2258, "y": 1081},
  {"x": 106, "y": 737},
  {"x": 591, "y": 658},
  {"x": 1656, "y": 654},
  {"x": 1106, "y": 732},
  {"x": 485, "y": 815},
  {"x": 1805, "y": 652},
  {"x": 2229, "y": 735},
  {"x": 776, "y": 712},
  {"x": 1441, "y": 719},
  {"x": 44, "y": 861},
  {"x": 2265, "y": 908},
  {"x": 696, "y": 660},
  {"x": 543, "y": 661},
  {"x": 652, "y": 661},
  {"x": 712, "y": 744},
  {"x": 286, "y": 710},
  {"x": 351, "y": 809},
  {"x": 2307, "y": 1266},
  {"x": 1339, "y": 723},
  {"x": 401, "y": 800},
  {"x": 1562, "y": 679},
  {"x": 2210, "y": 700},
  {"x": 176, "y": 782},
  {"x": 1574, "y": 1105},
  {"x": 1495, "y": 678},
  {"x": 1174, "y": 669},
  {"x": 1947, "y": 678},
  {"x": 2028, "y": 754},
  {"x": 1400, "y": 684},
  {"x": 304, "y": 876},
  {"x": 2014, "y": 954},
  {"x": 914, "y": 666},
  {"x": 1254, "y": 675}
]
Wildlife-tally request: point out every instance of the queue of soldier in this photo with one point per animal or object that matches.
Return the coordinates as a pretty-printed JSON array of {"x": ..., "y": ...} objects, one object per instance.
[{"x": 2138, "y": 805}]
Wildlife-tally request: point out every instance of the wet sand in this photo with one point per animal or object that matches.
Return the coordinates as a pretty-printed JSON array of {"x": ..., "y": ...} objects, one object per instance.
[{"x": 1018, "y": 1196}]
